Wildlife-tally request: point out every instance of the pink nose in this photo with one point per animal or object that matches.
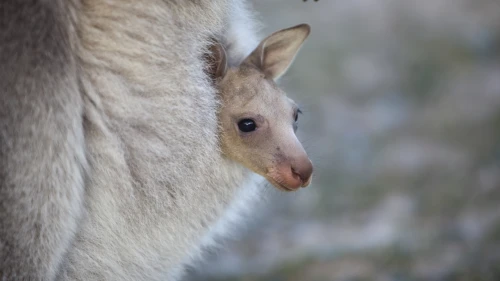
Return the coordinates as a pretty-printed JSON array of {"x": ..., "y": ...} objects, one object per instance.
[
  {"x": 303, "y": 171},
  {"x": 291, "y": 176}
]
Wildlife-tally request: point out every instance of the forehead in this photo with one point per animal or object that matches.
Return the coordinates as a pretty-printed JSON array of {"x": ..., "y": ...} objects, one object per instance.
[{"x": 246, "y": 86}]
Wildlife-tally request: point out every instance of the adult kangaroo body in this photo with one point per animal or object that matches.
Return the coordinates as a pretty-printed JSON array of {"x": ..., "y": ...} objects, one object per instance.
[{"x": 109, "y": 163}]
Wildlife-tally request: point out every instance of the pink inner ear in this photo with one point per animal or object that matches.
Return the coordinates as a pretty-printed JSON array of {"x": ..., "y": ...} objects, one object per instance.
[
  {"x": 280, "y": 48},
  {"x": 275, "y": 53}
]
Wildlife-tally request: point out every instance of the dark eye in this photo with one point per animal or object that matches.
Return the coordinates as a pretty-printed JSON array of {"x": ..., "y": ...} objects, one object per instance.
[
  {"x": 247, "y": 125},
  {"x": 296, "y": 117}
]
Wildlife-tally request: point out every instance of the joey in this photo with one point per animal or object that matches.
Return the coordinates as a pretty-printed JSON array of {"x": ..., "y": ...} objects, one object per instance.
[{"x": 257, "y": 120}]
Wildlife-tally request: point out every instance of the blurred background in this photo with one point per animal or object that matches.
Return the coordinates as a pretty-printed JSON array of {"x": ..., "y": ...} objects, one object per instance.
[{"x": 401, "y": 102}]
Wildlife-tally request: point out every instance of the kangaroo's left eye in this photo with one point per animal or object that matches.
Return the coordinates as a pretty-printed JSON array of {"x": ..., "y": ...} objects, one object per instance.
[{"x": 247, "y": 125}]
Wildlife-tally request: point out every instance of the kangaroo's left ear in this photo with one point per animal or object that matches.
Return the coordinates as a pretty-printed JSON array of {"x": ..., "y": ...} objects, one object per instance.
[
  {"x": 217, "y": 62},
  {"x": 276, "y": 52}
]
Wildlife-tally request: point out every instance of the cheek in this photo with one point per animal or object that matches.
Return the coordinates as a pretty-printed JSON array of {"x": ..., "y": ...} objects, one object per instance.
[
  {"x": 257, "y": 140},
  {"x": 263, "y": 150}
]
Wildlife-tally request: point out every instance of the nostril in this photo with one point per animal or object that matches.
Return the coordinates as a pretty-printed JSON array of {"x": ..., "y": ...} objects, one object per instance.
[
  {"x": 302, "y": 171},
  {"x": 296, "y": 174}
]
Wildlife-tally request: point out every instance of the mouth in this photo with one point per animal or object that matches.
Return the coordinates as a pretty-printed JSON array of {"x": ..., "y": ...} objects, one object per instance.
[
  {"x": 280, "y": 186},
  {"x": 285, "y": 178},
  {"x": 290, "y": 185}
]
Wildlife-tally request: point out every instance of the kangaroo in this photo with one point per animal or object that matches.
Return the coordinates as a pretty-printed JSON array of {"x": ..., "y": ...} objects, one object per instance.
[
  {"x": 110, "y": 161},
  {"x": 257, "y": 120}
]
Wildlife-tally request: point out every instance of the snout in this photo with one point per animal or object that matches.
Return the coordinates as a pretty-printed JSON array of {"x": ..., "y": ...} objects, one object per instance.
[{"x": 291, "y": 175}]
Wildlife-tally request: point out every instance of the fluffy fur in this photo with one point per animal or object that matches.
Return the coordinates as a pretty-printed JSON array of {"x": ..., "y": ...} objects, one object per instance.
[{"x": 118, "y": 87}]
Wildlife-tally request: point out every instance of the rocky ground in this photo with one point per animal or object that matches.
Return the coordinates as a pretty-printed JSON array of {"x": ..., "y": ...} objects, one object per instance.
[{"x": 401, "y": 104}]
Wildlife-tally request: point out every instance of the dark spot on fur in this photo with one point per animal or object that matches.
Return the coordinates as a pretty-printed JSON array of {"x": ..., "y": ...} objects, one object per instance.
[
  {"x": 171, "y": 193},
  {"x": 280, "y": 158},
  {"x": 204, "y": 224}
]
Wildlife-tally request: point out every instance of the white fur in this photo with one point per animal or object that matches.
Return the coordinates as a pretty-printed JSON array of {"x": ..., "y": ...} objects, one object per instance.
[
  {"x": 159, "y": 188},
  {"x": 110, "y": 165}
]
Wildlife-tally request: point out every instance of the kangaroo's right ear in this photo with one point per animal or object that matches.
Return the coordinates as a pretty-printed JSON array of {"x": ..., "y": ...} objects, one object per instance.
[{"x": 217, "y": 62}]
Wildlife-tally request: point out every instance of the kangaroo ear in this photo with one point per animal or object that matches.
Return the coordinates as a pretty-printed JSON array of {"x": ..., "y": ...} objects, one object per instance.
[
  {"x": 276, "y": 52},
  {"x": 216, "y": 60}
]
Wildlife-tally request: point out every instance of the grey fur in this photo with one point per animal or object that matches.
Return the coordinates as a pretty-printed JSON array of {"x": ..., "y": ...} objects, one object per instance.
[
  {"x": 42, "y": 158},
  {"x": 118, "y": 85}
]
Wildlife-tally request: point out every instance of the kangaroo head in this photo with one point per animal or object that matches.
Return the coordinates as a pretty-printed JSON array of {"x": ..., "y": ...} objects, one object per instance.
[{"x": 257, "y": 120}]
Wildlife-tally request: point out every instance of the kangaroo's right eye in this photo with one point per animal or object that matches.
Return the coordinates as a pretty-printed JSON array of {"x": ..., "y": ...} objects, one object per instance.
[{"x": 247, "y": 125}]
